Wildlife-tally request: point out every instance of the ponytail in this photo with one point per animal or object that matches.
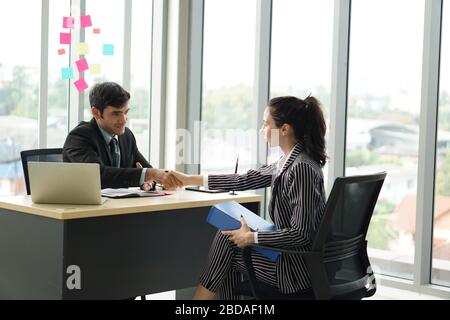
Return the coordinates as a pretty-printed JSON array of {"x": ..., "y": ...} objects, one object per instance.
[
  {"x": 306, "y": 118},
  {"x": 315, "y": 131}
]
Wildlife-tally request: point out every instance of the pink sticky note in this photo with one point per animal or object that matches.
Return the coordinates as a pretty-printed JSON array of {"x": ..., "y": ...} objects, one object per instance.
[
  {"x": 85, "y": 21},
  {"x": 61, "y": 51},
  {"x": 65, "y": 38},
  {"x": 96, "y": 30},
  {"x": 81, "y": 85},
  {"x": 82, "y": 65},
  {"x": 68, "y": 22}
]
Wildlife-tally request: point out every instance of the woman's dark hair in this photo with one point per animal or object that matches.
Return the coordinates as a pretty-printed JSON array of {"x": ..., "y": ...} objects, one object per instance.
[
  {"x": 306, "y": 118},
  {"x": 107, "y": 94}
]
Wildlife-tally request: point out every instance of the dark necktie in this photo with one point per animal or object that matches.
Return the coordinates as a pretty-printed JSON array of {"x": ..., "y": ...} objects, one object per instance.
[{"x": 114, "y": 152}]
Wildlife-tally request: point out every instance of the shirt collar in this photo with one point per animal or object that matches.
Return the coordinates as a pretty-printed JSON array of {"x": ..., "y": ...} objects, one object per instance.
[
  {"x": 283, "y": 159},
  {"x": 107, "y": 136}
]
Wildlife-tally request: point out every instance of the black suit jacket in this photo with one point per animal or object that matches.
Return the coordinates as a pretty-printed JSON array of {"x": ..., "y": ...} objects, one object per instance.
[{"x": 86, "y": 144}]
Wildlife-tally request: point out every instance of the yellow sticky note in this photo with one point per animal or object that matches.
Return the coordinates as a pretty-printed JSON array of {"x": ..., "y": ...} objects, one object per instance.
[
  {"x": 96, "y": 68},
  {"x": 83, "y": 48}
]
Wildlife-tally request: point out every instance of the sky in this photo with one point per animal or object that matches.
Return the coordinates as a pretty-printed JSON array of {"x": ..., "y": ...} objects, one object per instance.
[
  {"x": 386, "y": 44},
  {"x": 386, "y": 41}
]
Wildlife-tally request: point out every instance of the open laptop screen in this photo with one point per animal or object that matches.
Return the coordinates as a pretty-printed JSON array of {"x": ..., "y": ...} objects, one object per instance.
[{"x": 68, "y": 183}]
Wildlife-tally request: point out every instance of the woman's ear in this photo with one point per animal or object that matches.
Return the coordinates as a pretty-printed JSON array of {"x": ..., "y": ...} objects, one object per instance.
[{"x": 285, "y": 129}]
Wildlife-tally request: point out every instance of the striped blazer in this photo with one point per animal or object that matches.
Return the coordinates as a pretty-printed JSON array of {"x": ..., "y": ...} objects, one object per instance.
[{"x": 296, "y": 208}]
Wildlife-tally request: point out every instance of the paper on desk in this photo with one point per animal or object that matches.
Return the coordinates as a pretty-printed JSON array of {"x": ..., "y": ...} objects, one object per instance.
[{"x": 130, "y": 193}]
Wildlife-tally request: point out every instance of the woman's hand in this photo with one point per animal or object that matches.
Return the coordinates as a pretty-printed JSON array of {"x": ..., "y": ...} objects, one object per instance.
[
  {"x": 241, "y": 237},
  {"x": 163, "y": 177},
  {"x": 187, "y": 179}
]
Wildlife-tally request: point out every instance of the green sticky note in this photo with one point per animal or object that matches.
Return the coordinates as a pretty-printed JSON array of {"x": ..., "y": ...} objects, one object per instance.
[
  {"x": 67, "y": 73},
  {"x": 108, "y": 49}
]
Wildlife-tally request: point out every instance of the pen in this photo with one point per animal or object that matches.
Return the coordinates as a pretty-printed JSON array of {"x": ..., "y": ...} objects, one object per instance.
[{"x": 235, "y": 172}]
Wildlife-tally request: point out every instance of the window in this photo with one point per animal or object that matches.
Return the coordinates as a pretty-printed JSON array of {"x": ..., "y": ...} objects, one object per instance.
[
  {"x": 383, "y": 116},
  {"x": 58, "y": 93},
  {"x": 301, "y": 50},
  {"x": 19, "y": 85},
  {"x": 20, "y": 71},
  {"x": 441, "y": 230},
  {"x": 229, "y": 128},
  {"x": 108, "y": 16},
  {"x": 141, "y": 45}
]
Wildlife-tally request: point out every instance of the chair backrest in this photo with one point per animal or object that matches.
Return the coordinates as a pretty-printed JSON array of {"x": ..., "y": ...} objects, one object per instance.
[
  {"x": 39, "y": 155},
  {"x": 341, "y": 266}
]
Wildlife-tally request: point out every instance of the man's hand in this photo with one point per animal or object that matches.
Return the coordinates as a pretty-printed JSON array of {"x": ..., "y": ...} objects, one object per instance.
[
  {"x": 164, "y": 178},
  {"x": 146, "y": 186},
  {"x": 241, "y": 237}
]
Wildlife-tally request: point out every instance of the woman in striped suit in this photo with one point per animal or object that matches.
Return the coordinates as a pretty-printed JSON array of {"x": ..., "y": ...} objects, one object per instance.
[{"x": 298, "y": 200}]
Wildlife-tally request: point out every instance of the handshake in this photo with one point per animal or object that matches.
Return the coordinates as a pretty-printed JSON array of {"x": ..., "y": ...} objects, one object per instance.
[{"x": 168, "y": 179}]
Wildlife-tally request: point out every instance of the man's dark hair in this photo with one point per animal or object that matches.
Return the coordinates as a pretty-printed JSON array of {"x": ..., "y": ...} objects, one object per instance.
[{"x": 107, "y": 94}]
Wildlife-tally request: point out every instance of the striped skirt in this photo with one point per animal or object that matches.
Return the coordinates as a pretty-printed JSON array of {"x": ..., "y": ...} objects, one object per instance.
[{"x": 225, "y": 268}]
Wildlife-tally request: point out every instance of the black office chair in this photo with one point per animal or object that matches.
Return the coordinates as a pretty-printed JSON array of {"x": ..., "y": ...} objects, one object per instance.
[
  {"x": 39, "y": 155},
  {"x": 338, "y": 263}
]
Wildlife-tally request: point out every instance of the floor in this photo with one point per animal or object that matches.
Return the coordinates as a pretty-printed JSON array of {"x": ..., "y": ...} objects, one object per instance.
[
  {"x": 388, "y": 293},
  {"x": 383, "y": 293}
]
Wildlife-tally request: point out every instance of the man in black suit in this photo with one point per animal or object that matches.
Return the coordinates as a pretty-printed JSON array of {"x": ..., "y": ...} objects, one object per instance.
[{"x": 107, "y": 141}]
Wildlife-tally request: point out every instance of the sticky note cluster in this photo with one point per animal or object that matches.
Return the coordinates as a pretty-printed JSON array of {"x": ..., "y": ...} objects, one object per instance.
[{"x": 81, "y": 49}]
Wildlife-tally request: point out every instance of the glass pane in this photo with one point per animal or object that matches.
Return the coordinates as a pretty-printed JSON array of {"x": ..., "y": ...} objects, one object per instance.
[
  {"x": 109, "y": 58},
  {"x": 383, "y": 121},
  {"x": 441, "y": 229},
  {"x": 229, "y": 127},
  {"x": 302, "y": 51},
  {"x": 141, "y": 45},
  {"x": 58, "y": 93},
  {"x": 19, "y": 88}
]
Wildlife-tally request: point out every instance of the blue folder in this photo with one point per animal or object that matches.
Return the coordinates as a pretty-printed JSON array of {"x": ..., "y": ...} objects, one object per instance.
[{"x": 227, "y": 215}]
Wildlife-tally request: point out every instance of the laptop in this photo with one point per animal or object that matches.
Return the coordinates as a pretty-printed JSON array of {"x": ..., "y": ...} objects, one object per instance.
[{"x": 66, "y": 183}]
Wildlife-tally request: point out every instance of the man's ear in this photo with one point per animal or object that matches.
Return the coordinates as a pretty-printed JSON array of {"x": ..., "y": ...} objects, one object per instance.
[{"x": 95, "y": 112}]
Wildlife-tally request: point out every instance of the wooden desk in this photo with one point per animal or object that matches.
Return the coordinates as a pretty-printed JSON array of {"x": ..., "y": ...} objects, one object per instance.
[{"x": 124, "y": 248}]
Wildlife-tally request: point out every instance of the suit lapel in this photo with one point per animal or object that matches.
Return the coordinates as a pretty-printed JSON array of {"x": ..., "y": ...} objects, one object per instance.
[
  {"x": 123, "y": 150},
  {"x": 102, "y": 141},
  {"x": 298, "y": 148}
]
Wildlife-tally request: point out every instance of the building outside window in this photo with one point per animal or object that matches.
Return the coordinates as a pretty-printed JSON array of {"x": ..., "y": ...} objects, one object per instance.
[
  {"x": 384, "y": 94},
  {"x": 440, "y": 273}
]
